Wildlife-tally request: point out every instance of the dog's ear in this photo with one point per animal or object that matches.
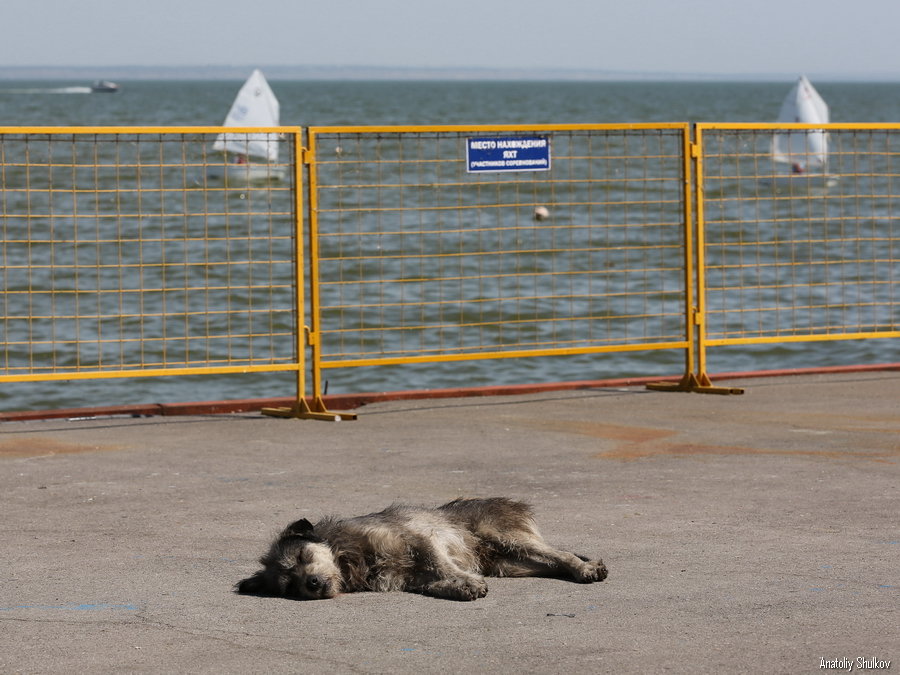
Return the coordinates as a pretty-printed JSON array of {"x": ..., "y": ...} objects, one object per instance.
[
  {"x": 255, "y": 585},
  {"x": 299, "y": 528}
]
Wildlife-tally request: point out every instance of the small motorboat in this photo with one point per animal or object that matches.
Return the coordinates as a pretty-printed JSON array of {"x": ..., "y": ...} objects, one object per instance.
[{"x": 104, "y": 87}]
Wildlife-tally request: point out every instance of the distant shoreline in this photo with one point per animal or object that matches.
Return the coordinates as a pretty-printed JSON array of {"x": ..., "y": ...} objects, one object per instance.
[{"x": 382, "y": 73}]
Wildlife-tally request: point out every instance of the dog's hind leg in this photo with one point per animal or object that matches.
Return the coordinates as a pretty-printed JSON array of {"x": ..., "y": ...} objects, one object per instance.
[
  {"x": 526, "y": 554},
  {"x": 548, "y": 562},
  {"x": 581, "y": 569},
  {"x": 595, "y": 569}
]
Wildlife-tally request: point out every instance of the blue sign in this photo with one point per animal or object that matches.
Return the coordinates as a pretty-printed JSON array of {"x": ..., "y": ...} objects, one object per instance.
[{"x": 529, "y": 153}]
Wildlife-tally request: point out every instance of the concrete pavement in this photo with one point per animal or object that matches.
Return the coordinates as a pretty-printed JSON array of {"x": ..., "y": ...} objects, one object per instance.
[{"x": 754, "y": 533}]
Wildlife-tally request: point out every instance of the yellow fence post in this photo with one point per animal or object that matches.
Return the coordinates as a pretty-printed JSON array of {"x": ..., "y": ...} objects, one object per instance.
[
  {"x": 695, "y": 297},
  {"x": 702, "y": 383},
  {"x": 306, "y": 335}
]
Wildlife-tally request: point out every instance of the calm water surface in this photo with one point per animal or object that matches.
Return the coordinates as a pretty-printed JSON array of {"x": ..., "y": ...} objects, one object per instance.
[{"x": 357, "y": 103}]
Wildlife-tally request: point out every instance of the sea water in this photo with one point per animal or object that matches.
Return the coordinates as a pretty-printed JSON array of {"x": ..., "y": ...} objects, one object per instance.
[{"x": 174, "y": 103}]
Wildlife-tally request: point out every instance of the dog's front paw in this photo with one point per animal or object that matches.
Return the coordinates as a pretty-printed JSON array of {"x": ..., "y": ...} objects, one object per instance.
[
  {"x": 458, "y": 588},
  {"x": 591, "y": 571},
  {"x": 472, "y": 589}
]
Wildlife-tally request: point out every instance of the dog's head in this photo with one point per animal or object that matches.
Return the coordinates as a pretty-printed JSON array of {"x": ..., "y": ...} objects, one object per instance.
[{"x": 298, "y": 565}]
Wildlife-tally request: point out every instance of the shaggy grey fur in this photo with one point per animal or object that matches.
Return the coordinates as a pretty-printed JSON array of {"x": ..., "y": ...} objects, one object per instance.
[{"x": 443, "y": 552}]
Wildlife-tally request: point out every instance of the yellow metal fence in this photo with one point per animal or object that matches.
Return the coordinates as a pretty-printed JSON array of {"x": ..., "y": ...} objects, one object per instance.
[
  {"x": 415, "y": 258},
  {"x": 792, "y": 252},
  {"x": 136, "y": 252}
]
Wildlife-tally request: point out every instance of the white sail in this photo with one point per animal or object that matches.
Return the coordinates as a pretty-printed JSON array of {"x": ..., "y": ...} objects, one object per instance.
[
  {"x": 807, "y": 149},
  {"x": 254, "y": 106}
]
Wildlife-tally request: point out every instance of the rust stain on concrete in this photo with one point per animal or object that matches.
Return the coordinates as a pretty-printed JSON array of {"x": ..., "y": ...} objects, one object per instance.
[
  {"x": 632, "y": 443},
  {"x": 42, "y": 447},
  {"x": 628, "y": 452},
  {"x": 614, "y": 432}
]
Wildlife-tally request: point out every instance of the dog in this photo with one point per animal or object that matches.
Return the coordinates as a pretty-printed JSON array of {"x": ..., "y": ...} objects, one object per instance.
[{"x": 444, "y": 552}]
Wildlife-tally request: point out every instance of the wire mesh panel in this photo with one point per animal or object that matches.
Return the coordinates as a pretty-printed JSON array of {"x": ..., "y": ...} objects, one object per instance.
[
  {"x": 806, "y": 249},
  {"x": 418, "y": 258},
  {"x": 136, "y": 252}
]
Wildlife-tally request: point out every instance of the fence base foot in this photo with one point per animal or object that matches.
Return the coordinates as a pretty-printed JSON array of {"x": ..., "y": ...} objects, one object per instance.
[
  {"x": 303, "y": 411},
  {"x": 697, "y": 384}
]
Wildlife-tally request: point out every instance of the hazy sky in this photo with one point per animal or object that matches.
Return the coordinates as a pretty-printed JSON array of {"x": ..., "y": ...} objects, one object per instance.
[{"x": 841, "y": 37}]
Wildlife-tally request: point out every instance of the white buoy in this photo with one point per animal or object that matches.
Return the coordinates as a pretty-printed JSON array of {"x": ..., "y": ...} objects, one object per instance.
[{"x": 541, "y": 213}]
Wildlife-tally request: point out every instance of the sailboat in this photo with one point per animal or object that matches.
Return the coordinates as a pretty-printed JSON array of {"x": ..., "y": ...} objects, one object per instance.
[
  {"x": 805, "y": 151},
  {"x": 251, "y": 157}
]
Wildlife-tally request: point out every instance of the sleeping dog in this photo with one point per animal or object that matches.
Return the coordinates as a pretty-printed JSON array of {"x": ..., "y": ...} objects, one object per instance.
[{"x": 443, "y": 552}]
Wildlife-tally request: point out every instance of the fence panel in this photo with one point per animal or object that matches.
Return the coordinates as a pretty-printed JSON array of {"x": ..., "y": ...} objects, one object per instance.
[
  {"x": 417, "y": 259},
  {"x": 136, "y": 252},
  {"x": 803, "y": 250}
]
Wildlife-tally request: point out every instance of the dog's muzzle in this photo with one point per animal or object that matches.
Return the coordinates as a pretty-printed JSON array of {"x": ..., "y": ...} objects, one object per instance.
[{"x": 318, "y": 586}]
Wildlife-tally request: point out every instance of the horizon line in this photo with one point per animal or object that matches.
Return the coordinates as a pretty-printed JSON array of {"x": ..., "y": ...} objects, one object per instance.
[{"x": 381, "y": 72}]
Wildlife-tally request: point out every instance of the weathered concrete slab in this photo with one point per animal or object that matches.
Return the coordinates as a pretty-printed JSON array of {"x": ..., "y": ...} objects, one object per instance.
[{"x": 755, "y": 533}]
